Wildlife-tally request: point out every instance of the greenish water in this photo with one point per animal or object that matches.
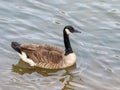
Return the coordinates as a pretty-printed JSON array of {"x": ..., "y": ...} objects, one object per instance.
[{"x": 39, "y": 21}]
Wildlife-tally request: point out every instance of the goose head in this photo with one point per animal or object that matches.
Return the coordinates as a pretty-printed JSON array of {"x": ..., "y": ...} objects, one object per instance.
[{"x": 69, "y": 29}]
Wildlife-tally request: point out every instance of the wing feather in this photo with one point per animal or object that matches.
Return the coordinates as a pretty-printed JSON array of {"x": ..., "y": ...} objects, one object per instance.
[{"x": 43, "y": 54}]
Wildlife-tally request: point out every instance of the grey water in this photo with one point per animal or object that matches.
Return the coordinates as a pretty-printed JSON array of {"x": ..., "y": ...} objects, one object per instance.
[{"x": 42, "y": 21}]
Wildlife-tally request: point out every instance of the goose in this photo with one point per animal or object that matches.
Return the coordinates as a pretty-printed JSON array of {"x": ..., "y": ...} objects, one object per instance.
[{"x": 48, "y": 56}]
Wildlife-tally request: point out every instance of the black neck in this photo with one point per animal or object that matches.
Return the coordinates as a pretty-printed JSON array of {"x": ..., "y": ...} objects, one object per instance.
[{"x": 68, "y": 48}]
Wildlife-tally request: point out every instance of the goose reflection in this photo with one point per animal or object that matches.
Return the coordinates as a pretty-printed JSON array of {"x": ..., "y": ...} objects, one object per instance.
[{"x": 22, "y": 68}]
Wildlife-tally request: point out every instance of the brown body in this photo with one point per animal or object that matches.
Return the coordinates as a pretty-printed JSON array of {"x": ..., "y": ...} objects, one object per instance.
[{"x": 44, "y": 56}]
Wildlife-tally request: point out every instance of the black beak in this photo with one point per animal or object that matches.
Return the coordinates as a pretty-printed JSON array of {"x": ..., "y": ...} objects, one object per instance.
[{"x": 76, "y": 31}]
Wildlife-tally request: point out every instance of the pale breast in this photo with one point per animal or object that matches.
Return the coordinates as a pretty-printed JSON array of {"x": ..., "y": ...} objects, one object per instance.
[{"x": 70, "y": 59}]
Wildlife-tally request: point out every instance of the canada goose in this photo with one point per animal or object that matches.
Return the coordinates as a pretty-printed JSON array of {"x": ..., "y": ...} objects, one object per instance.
[{"x": 47, "y": 56}]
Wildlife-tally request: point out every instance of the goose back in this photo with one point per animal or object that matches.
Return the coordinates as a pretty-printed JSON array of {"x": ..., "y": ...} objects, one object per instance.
[{"x": 45, "y": 56}]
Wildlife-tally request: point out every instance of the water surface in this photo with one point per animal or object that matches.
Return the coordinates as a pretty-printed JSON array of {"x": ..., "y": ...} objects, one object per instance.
[{"x": 34, "y": 21}]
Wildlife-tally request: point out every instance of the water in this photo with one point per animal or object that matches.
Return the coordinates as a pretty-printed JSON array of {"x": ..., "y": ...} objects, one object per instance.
[{"x": 39, "y": 21}]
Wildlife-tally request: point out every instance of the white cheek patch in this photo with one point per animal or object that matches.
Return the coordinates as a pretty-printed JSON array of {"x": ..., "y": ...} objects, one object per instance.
[
  {"x": 23, "y": 56},
  {"x": 67, "y": 31}
]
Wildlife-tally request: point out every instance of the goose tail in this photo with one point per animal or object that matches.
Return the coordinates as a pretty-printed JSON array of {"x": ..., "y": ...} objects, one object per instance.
[{"x": 16, "y": 46}]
